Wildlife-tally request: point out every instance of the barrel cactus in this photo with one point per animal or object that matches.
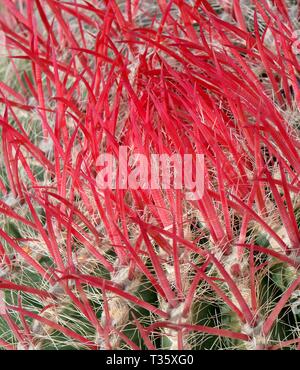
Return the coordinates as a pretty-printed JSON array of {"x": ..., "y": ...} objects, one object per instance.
[{"x": 84, "y": 266}]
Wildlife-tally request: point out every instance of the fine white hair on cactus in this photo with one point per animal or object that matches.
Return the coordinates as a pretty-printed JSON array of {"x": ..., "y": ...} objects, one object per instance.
[{"x": 87, "y": 268}]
